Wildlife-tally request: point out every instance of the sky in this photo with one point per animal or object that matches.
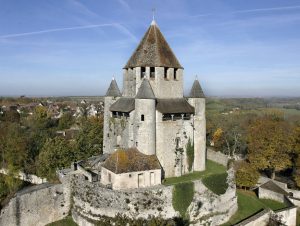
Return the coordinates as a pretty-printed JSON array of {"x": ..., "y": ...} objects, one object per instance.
[{"x": 74, "y": 47}]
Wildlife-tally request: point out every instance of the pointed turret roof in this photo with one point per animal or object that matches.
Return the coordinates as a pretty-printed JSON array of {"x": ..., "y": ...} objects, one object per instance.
[
  {"x": 145, "y": 91},
  {"x": 196, "y": 91},
  {"x": 153, "y": 51},
  {"x": 113, "y": 90}
]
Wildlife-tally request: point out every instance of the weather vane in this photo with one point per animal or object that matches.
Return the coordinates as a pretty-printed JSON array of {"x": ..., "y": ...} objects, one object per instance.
[{"x": 153, "y": 13}]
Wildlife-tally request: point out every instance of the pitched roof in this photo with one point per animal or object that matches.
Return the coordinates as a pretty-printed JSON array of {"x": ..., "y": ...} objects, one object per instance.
[
  {"x": 130, "y": 160},
  {"x": 270, "y": 185},
  {"x": 196, "y": 91},
  {"x": 145, "y": 91},
  {"x": 113, "y": 90},
  {"x": 153, "y": 51},
  {"x": 175, "y": 105},
  {"x": 124, "y": 104}
]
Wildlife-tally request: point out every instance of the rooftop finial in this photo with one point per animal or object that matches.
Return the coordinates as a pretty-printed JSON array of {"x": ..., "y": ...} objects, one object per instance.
[
  {"x": 113, "y": 78},
  {"x": 153, "y": 16},
  {"x": 196, "y": 77}
]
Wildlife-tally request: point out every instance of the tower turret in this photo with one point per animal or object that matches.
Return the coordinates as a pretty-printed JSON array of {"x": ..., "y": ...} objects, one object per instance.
[
  {"x": 197, "y": 100},
  {"x": 112, "y": 94},
  {"x": 145, "y": 118}
]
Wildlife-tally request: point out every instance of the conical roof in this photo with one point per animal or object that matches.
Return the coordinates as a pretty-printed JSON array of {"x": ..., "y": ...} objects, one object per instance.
[
  {"x": 153, "y": 51},
  {"x": 145, "y": 91},
  {"x": 113, "y": 90},
  {"x": 196, "y": 91}
]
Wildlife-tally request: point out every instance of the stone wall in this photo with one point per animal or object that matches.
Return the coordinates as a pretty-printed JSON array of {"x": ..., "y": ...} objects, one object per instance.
[
  {"x": 31, "y": 178},
  {"x": 268, "y": 194},
  {"x": 217, "y": 156},
  {"x": 259, "y": 219},
  {"x": 208, "y": 208},
  {"x": 288, "y": 215},
  {"x": 37, "y": 205},
  {"x": 92, "y": 200}
]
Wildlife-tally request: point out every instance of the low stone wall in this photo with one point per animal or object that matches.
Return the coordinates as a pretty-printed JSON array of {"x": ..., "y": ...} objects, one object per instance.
[
  {"x": 259, "y": 219},
  {"x": 33, "y": 179},
  {"x": 36, "y": 206},
  {"x": 208, "y": 208},
  {"x": 217, "y": 156},
  {"x": 268, "y": 194},
  {"x": 288, "y": 215}
]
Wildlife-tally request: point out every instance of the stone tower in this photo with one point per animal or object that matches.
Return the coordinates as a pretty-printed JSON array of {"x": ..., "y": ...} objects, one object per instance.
[{"x": 152, "y": 113}]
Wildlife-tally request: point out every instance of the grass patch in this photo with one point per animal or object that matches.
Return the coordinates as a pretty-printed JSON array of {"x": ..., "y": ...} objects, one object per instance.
[
  {"x": 183, "y": 194},
  {"x": 68, "y": 221},
  {"x": 211, "y": 169},
  {"x": 272, "y": 204},
  {"x": 249, "y": 204},
  {"x": 216, "y": 183}
]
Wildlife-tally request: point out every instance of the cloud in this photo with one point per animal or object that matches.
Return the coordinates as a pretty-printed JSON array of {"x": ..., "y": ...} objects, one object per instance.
[
  {"x": 251, "y": 11},
  {"x": 119, "y": 27},
  {"x": 125, "y": 4},
  {"x": 82, "y": 8}
]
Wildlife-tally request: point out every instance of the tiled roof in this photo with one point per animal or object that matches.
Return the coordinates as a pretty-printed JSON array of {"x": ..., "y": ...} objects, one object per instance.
[
  {"x": 124, "y": 104},
  {"x": 113, "y": 90},
  {"x": 174, "y": 105},
  {"x": 130, "y": 160},
  {"x": 153, "y": 51},
  {"x": 196, "y": 91},
  {"x": 145, "y": 91}
]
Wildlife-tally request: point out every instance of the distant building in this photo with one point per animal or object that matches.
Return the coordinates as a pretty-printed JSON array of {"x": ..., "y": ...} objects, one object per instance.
[{"x": 151, "y": 115}]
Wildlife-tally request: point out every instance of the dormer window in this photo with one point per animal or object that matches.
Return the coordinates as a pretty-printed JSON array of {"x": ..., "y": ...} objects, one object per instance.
[
  {"x": 165, "y": 73},
  {"x": 175, "y": 74},
  {"x": 143, "y": 72},
  {"x": 152, "y": 72}
]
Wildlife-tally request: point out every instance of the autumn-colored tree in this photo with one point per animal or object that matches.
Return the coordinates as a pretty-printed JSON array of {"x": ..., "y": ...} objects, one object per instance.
[
  {"x": 295, "y": 141},
  {"x": 269, "y": 144},
  {"x": 217, "y": 138},
  {"x": 246, "y": 175}
]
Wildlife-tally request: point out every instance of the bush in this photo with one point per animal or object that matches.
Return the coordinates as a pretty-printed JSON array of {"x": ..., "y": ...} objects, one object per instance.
[{"x": 183, "y": 194}]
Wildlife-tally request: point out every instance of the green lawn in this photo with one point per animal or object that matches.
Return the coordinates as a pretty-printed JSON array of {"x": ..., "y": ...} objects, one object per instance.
[
  {"x": 212, "y": 168},
  {"x": 249, "y": 204},
  {"x": 183, "y": 194},
  {"x": 216, "y": 183},
  {"x": 68, "y": 221}
]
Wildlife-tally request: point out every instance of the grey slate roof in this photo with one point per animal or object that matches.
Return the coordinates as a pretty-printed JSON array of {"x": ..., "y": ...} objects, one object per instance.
[
  {"x": 153, "y": 51},
  {"x": 113, "y": 90},
  {"x": 124, "y": 104},
  {"x": 270, "y": 185},
  {"x": 178, "y": 105},
  {"x": 196, "y": 91},
  {"x": 145, "y": 91}
]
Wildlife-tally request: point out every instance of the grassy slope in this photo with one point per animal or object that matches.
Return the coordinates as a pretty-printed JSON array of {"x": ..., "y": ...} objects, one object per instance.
[
  {"x": 211, "y": 169},
  {"x": 249, "y": 204},
  {"x": 182, "y": 196},
  {"x": 68, "y": 221}
]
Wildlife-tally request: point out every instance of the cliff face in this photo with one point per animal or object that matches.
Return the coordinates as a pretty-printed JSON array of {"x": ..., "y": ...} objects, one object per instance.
[{"x": 37, "y": 205}]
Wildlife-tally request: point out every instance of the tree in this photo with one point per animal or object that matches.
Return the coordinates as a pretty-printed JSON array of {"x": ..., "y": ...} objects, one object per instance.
[
  {"x": 89, "y": 141},
  {"x": 246, "y": 175},
  {"x": 66, "y": 121},
  {"x": 269, "y": 144},
  {"x": 56, "y": 153},
  {"x": 295, "y": 141}
]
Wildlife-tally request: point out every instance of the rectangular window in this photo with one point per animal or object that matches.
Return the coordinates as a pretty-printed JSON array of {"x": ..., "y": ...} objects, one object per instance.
[
  {"x": 152, "y": 72},
  {"x": 175, "y": 74},
  {"x": 165, "y": 73},
  {"x": 142, "y": 118},
  {"x": 143, "y": 72},
  {"x": 109, "y": 178}
]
